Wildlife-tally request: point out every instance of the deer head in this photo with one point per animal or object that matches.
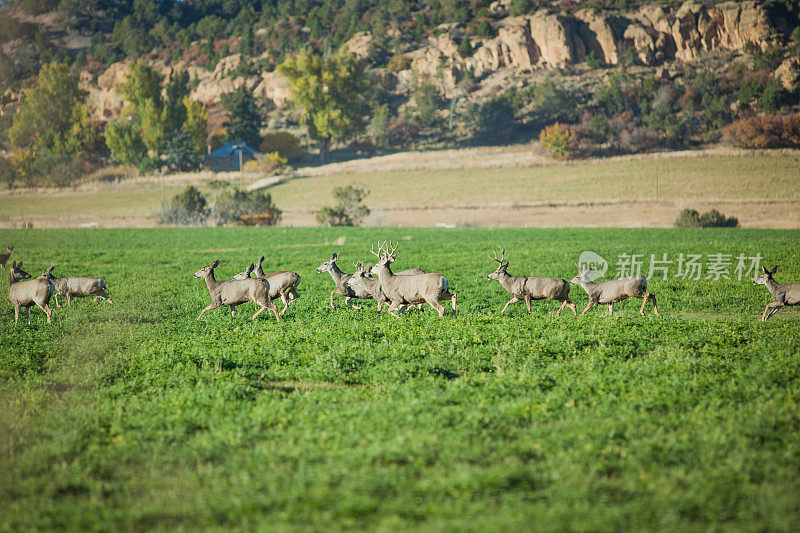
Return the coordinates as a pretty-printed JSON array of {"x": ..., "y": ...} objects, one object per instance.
[
  {"x": 207, "y": 270},
  {"x": 244, "y": 274},
  {"x": 48, "y": 274},
  {"x": 583, "y": 275},
  {"x": 17, "y": 273},
  {"x": 329, "y": 264},
  {"x": 9, "y": 249},
  {"x": 766, "y": 276},
  {"x": 501, "y": 268}
]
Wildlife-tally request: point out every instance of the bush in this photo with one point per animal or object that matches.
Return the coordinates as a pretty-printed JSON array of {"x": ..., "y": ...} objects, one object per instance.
[
  {"x": 349, "y": 210},
  {"x": 402, "y": 132},
  {"x": 559, "y": 138},
  {"x": 283, "y": 142},
  {"x": 185, "y": 209},
  {"x": 690, "y": 218},
  {"x": 496, "y": 117},
  {"x": 770, "y": 131},
  {"x": 249, "y": 208},
  {"x": 398, "y": 62}
]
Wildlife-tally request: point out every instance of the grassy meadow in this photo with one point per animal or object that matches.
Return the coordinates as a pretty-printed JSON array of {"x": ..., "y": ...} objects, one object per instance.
[
  {"x": 134, "y": 415},
  {"x": 746, "y": 182}
]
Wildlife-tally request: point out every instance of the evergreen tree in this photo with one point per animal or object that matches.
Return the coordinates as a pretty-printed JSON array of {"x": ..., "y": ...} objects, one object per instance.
[{"x": 244, "y": 118}]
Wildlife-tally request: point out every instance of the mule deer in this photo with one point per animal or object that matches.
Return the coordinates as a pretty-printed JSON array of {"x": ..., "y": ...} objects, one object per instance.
[
  {"x": 411, "y": 289},
  {"x": 788, "y": 294},
  {"x": 244, "y": 274},
  {"x": 282, "y": 283},
  {"x": 615, "y": 290},
  {"x": 342, "y": 282},
  {"x": 4, "y": 257},
  {"x": 28, "y": 293},
  {"x": 76, "y": 286},
  {"x": 529, "y": 288},
  {"x": 235, "y": 292}
]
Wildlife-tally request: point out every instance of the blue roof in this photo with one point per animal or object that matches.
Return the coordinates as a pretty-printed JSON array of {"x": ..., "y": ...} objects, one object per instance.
[{"x": 230, "y": 148}]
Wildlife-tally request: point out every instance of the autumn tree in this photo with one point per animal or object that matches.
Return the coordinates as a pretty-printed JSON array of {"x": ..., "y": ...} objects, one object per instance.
[{"x": 330, "y": 91}]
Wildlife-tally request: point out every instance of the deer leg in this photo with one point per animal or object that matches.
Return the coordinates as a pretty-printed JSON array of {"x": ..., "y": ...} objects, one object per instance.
[
  {"x": 69, "y": 299},
  {"x": 28, "y": 310},
  {"x": 104, "y": 296},
  {"x": 588, "y": 306},
  {"x": 274, "y": 308},
  {"x": 611, "y": 308},
  {"x": 233, "y": 310},
  {"x": 16, "y": 314},
  {"x": 332, "y": 293},
  {"x": 655, "y": 305},
  {"x": 455, "y": 304},
  {"x": 259, "y": 311},
  {"x": 46, "y": 310},
  {"x": 775, "y": 306},
  {"x": 209, "y": 308},
  {"x": 436, "y": 305},
  {"x": 347, "y": 302},
  {"x": 641, "y": 309},
  {"x": 286, "y": 303},
  {"x": 511, "y": 301},
  {"x": 55, "y": 295},
  {"x": 528, "y": 303},
  {"x": 392, "y": 307}
]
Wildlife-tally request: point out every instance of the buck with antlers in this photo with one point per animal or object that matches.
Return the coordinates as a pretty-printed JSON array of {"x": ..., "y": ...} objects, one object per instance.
[
  {"x": 235, "y": 292},
  {"x": 28, "y": 293},
  {"x": 411, "y": 289},
  {"x": 529, "y": 288},
  {"x": 788, "y": 294},
  {"x": 614, "y": 290},
  {"x": 362, "y": 280}
]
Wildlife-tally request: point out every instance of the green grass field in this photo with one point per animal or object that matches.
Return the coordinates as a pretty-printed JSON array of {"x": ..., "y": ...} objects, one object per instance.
[{"x": 134, "y": 415}]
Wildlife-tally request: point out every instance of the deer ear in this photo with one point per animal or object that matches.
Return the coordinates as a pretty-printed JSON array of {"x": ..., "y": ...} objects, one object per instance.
[
  {"x": 261, "y": 260},
  {"x": 506, "y": 265},
  {"x": 13, "y": 264},
  {"x": 335, "y": 256},
  {"x": 774, "y": 269},
  {"x": 216, "y": 263}
]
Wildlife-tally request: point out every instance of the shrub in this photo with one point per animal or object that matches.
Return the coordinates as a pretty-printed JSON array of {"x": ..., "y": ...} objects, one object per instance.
[
  {"x": 771, "y": 98},
  {"x": 770, "y": 131},
  {"x": 402, "y": 132},
  {"x": 217, "y": 140},
  {"x": 690, "y": 218},
  {"x": 496, "y": 117},
  {"x": 465, "y": 48},
  {"x": 559, "y": 138},
  {"x": 185, "y": 209},
  {"x": 283, "y": 142},
  {"x": 599, "y": 129},
  {"x": 398, "y": 62},
  {"x": 235, "y": 206},
  {"x": 349, "y": 210}
]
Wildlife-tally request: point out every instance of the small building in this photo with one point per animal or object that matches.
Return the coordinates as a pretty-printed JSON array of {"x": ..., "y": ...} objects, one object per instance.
[{"x": 231, "y": 156}]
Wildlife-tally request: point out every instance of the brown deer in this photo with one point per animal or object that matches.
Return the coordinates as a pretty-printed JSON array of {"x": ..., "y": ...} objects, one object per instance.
[
  {"x": 342, "y": 282},
  {"x": 529, "y": 288},
  {"x": 788, "y": 294},
  {"x": 244, "y": 274},
  {"x": 282, "y": 283},
  {"x": 235, "y": 292},
  {"x": 76, "y": 286},
  {"x": 413, "y": 289},
  {"x": 614, "y": 290},
  {"x": 28, "y": 293},
  {"x": 4, "y": 257}
]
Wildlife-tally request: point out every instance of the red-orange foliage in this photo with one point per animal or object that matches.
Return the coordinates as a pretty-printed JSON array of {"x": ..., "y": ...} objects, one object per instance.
[{"x": 768, "y": 131}]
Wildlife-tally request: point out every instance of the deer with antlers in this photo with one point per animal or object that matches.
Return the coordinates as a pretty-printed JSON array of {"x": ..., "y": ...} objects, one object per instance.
[
  {"x": 411, "y": 289},
  {"x": 527, "y": 288}
]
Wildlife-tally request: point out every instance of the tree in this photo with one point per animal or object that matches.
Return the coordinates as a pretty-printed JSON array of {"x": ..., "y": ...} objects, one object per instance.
[
  {"x": 196, "y": 124},
  {"x": 331, "y": 93},
  {"x": 379, "y": 124},
  {"x": 124, "y": 142},
  {"x": 428, "y": 101},
  {"x": 559, "y": 138},
  {"x": 53, "y": 117},
  {"x": 349, "y": 210},
  {"x": 244, "y": 119}
]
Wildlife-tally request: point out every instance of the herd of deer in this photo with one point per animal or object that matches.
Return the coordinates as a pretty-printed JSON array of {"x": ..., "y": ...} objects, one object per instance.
[{"x": 401, "y": 290}]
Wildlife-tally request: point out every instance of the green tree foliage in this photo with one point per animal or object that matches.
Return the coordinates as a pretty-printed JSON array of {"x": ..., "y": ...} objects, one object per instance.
[
  {"x": 196, "y": 124},
  {"x": 124, "y": 142},
  {"x": 379, "y": 124},
  {"x": 558, "y": 138},
  {"x": 428, "y": 101},
  {"x": 236, "y": 206},
  {"x": 496, "y": 117},
  {"x": 189, "y": 207},
  {"x": 349, "y": 209},
  {"x": 330, "y": 91},
  {"x": 53, "y": 117},
  {"x": 288, "y": 146},
  {"x": 244, "y": 119},
  {"x": 690, "y": 218}
]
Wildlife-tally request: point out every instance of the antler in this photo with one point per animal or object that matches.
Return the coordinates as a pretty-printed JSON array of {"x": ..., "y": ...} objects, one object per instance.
[
  {"x": 502, "y": 257},
  {"x": 373, "y": 252},
  {"x": 394, "y": 248}
]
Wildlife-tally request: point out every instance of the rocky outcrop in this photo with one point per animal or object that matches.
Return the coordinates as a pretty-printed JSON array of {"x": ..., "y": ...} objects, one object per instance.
[{"x": 788, "y": 73}]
